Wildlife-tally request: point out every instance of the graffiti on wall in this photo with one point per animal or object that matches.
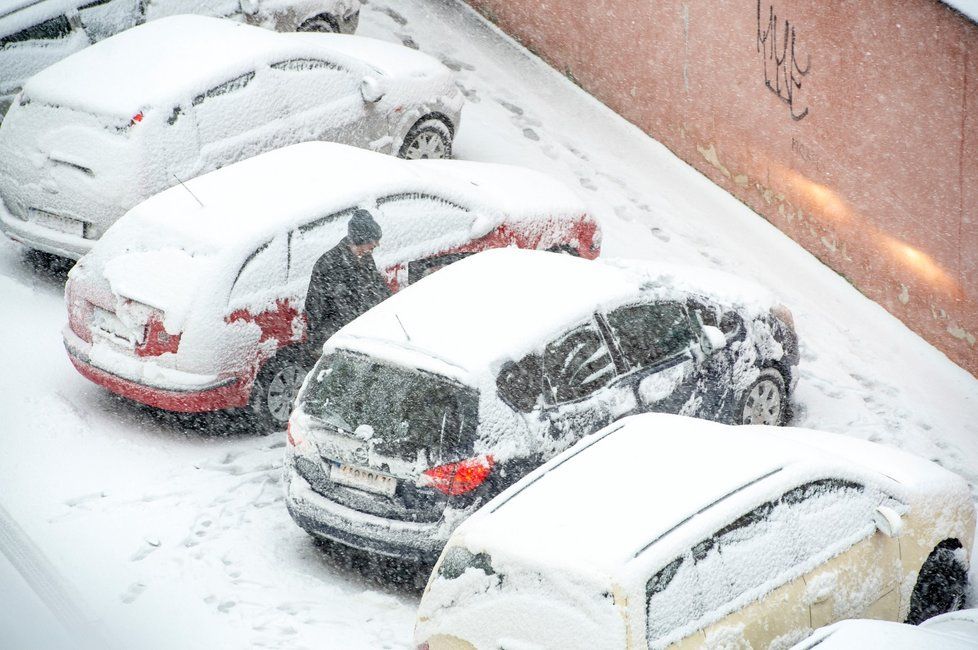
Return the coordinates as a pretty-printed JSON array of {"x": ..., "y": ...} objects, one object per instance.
[{"x": 782, "y": 73}]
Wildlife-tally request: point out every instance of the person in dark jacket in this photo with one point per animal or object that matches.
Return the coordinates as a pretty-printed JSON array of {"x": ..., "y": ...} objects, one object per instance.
[{"x": 345, "y": 282}]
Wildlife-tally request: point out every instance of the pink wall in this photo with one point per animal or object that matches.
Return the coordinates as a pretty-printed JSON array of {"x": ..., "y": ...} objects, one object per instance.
[{"x": 870, "y": 160}]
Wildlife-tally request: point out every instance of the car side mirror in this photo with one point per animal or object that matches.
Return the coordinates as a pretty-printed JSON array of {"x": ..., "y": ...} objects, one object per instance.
[
  {"x": 713, "y": 339},
  {"x": 888, "y": 521},
  {"x": 371, "y": 90}
]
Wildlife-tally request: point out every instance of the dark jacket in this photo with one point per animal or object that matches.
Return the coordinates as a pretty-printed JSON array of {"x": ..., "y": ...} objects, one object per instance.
[{"x": 342, "y": 287}]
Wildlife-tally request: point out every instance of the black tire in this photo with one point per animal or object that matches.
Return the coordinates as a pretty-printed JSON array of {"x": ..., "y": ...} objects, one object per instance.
[
  {"x": 275, "y": 389},
  {"x": 321, "y": 23},
  {"x": 941, "y": 584},
  {"x": 428, "y": 138},
  {"x": 765, "y": 401}
]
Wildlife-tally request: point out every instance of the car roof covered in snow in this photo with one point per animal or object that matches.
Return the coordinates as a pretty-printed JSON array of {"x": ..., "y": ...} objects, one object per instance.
[
  {"x": 502, "y": 304},
  {"x": 951, "y": 631},
  {"x": 170, "y": 60},
  {"x": 248, "y": 202},
  {"x": 636, "y": 486}
]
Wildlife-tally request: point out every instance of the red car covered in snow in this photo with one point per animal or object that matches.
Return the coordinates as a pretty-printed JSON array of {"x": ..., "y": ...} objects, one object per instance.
[{"x": 193, "y": 301}]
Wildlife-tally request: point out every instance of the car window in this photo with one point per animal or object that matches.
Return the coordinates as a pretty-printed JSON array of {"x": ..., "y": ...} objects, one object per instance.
[
  {"x": 49, "y": 30},
  {"x": 312, "y": 84},
  {"x": 228, "y": 86},
  {"x": 234, "y": 108},
  {"x": 262, "y": 272},
  {"x": 417, "y": 225},
  {"x": 577, "y": 364},
  {"x": 649, "y": 333},
  {"x": 309, "y": 242},
  {"x": 756, "y": 553},
  {"x": 704, "y": 313},
  {"x": 418, "y": 269},
  {"x": 302, "y": 65}
]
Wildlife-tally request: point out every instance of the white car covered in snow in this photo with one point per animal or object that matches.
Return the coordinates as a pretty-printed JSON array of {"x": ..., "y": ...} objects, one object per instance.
[
  {"x": 662, "y": 531},
  {"x": 439, "y": 397},
  {"x": 194, "y": 300},
  {"x": 951, "y": 631},
  {"x": 36, "y": 33},
  {"x": 96, "y": 133}
]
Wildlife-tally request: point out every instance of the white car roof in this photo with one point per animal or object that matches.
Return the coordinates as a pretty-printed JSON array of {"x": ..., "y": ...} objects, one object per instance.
[
  {"x": 601, "y": 504},
  {"x": 168, "y": 61},
  {"x": 247, "y": 203},
  {"x": 501, "y": 304},
  {"x": 952, "y": 631}
]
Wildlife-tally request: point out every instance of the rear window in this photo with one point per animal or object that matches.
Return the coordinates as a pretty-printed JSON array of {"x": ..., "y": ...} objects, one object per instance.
[{"x": 414, "y": 414}]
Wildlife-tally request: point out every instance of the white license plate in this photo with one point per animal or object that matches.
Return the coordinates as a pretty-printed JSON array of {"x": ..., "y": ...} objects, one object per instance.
[
  {"x": 364, "y": 479},
  {"x": 61, "y": 224},
  {"x": 109, "y": 324}
]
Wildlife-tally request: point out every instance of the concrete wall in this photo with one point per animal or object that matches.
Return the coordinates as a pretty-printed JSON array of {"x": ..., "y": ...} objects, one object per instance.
[{"x": 852, "y": 126}]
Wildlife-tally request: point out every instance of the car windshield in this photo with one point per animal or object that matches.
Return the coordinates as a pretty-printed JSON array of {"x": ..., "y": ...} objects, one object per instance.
[{"x": 412, "y": 413}]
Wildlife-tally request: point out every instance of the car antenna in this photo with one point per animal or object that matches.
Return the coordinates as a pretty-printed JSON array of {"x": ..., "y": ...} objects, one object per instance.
[
  {"x": 403, "y": 329},
  {"x": 188, "y": 189}
]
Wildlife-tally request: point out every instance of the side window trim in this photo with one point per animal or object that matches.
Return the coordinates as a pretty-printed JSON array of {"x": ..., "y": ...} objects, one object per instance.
[
  {"x": 248, "y": 261},
  {"x": 229, "y": 86},
  {"x": 302, "y": 64},
  {"x": 400, "y": 196}
]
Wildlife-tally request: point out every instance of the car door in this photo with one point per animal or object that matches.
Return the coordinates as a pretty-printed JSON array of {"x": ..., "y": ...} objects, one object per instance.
[
  {"x": 103, "y": 18},
  {"x": 257, "y": 295},
  {"x": 717, "y": 366},
  {"x": 419, "y": 226},
  {"x": 662, "y": 357},
  {"x": 580, "y": 391},
  {"x": 235, "y": 119},
  {"x": 861, "y": 578},
  {"x": 322, "y": 101}
]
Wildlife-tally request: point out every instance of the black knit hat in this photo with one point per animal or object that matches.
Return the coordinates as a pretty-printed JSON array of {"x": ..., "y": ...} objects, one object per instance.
[{"x": 362, "y": 228}]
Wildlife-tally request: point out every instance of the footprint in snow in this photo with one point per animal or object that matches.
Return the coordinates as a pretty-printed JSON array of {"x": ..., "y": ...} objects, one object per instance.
[
  {"x": 512, "y": 108},
  {"x": 587, "y": 183},
  {"x": 396, "y": 17},
  {"x": 133, "y": 592},
  {"x": 471, "y": 94},
  {"x": 407, "y": 41},
  {"x": 530, "y": 134},
  {"x": 455, "y": 65}
]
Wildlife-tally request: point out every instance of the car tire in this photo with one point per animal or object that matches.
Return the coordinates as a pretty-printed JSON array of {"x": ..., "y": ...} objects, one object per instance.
[
  {"x": 765, "y": 401},
  {"x": 274, "y": 391},
  {"x": 941, "y": 585},
  {"x": 321, "y": 23},
  {"x": 428, "y": 138}
]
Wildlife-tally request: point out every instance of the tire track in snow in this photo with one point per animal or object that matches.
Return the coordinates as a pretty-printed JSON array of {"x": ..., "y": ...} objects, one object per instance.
[{"x": 41, "y": 576}]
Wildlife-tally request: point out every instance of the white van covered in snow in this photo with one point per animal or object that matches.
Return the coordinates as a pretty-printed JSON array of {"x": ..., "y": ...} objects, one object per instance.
[
  {"x": 96, "y": 133},
  {"x": 668, "y": 532},
  {"x": 36, "y": 33}
]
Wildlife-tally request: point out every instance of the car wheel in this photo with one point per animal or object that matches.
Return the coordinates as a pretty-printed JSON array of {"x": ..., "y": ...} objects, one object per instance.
[
  {"x": 765, "y": 401},
  {"x": 429, "y": 138},
  {"x": 275, "y": 390},
  {"x": 320, "y": 23},
  {"x": 941, "y": 585}
]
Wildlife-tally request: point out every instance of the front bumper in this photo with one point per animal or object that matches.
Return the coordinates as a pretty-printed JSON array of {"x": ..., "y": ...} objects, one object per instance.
[
  {"x": 325, "y": 519},
  {"x": 195, "y": 394},
  {"x": 41, "y": 238}
]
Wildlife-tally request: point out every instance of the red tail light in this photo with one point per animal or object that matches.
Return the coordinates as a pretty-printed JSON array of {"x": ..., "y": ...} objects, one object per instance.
[
  {"x": 461, "y": 477},
  {"x": 157, "y": 340},
  {"x": 288, "y": 434},
  {"x": 136, "y": 119}
]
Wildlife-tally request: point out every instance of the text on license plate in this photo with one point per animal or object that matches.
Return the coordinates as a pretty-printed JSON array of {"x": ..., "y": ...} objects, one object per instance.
[
  {"x": 364, "y": 479},
  {"x": 61, "y": 224}
]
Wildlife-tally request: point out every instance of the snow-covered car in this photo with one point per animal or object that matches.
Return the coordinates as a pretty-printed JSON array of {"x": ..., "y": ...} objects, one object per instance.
[
  {"x": 194, "y": 300},
  {"x": 94, "y": 134},
  {"x": 952, "y": 631},
  {"x": 430, "y": 403},
  {"x": 36, "y": 33},
  {"x": 663, "y": 531}
]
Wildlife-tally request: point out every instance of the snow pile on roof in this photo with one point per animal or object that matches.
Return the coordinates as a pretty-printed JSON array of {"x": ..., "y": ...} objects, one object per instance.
[{"x": 501, "y": 304}]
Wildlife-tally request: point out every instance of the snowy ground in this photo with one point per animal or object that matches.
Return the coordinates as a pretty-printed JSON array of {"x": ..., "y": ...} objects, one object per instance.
[{"x": 143, "y": 531}]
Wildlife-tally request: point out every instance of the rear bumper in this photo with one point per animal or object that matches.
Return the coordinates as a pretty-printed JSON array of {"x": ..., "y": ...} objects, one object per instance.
[
  {"x": 198, "y": 394},
  {"x": 43, "y": 239},
  {"x": 325, "y": 519}
]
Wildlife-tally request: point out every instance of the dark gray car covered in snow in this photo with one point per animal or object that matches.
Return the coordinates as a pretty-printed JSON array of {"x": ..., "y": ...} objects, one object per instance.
[{"x": 438, "y": 398}]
